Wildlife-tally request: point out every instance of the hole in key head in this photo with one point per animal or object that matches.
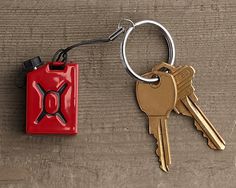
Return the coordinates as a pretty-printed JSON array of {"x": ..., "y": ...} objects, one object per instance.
[
  {"x": 164, "y": 69},
  {"x": 157, "y": 83}
]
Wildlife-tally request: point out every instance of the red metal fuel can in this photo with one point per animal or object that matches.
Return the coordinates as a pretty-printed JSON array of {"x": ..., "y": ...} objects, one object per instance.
[{"x": 52, "y": 99}]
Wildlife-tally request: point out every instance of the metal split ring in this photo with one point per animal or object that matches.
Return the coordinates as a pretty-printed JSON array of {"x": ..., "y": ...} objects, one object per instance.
[{"x": 169, "y": 40}]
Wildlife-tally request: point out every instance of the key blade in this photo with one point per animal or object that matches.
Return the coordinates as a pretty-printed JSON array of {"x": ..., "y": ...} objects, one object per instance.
[
  {"x": 157, "y": 100},
  {"x": 215, "y": 141},
  {"x": 158, "y": 127},
  {"x": 186, "y": 105}
]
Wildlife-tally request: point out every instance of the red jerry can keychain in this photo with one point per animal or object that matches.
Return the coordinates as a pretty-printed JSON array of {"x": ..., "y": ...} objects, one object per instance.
[
  {"x": 52, "y": 91},
  {"x": 51, "y": 97}
]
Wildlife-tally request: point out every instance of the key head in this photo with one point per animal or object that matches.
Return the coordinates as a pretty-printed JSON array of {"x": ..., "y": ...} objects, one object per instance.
[
  {"x": 163, "y": 67},
  {"x": 157, "y": 99},
  {"x": 183, "y": 76}
]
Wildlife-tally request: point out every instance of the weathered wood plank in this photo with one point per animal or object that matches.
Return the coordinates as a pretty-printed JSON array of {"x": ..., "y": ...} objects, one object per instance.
[{"x": 113, "y": 148}]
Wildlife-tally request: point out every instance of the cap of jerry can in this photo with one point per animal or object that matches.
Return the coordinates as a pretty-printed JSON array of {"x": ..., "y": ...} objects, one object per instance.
[{"x": 32, "y": 64}]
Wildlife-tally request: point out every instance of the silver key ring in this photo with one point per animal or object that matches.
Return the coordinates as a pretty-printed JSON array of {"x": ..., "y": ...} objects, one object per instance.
[{"x": 169, "y": 40}]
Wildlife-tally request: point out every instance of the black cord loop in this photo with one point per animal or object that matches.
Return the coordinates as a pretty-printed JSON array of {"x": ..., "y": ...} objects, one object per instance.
[{"x": 63, "y": 53}]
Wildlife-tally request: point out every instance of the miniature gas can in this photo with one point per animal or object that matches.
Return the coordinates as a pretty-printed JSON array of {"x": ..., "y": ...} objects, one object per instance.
[{"x": 52, "y": 99}]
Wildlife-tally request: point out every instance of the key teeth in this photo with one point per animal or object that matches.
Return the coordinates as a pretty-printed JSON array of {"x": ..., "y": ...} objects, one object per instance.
[
  {"x": 157, "y": 129},
  {"x": 198, "y": 127},
  {"x": 164, "y": 168},
  {"x": 157, "y": 152},
  {"x": 209, "y": 143}
]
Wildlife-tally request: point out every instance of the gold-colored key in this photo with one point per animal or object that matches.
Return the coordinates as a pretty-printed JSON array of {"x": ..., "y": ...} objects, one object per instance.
[
  {"x": 186, "y": 104},
  {"x": 157, "y": 101}
]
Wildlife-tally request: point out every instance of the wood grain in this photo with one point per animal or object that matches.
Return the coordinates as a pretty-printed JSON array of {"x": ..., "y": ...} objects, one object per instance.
[{"x": 113, "y": 148}]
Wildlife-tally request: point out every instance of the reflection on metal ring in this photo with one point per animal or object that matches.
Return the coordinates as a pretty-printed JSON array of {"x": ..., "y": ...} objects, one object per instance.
[{"x": 169, "y": 40}]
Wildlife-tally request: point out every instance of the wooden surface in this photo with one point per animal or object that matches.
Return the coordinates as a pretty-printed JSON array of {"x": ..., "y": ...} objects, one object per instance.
[{"x": 113, "y": 148}]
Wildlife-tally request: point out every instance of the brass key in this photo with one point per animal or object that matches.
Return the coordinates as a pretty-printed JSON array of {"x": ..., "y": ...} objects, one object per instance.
[
  {"x": 157, "y": 101},
  {"x": 186, "y": 104}
]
